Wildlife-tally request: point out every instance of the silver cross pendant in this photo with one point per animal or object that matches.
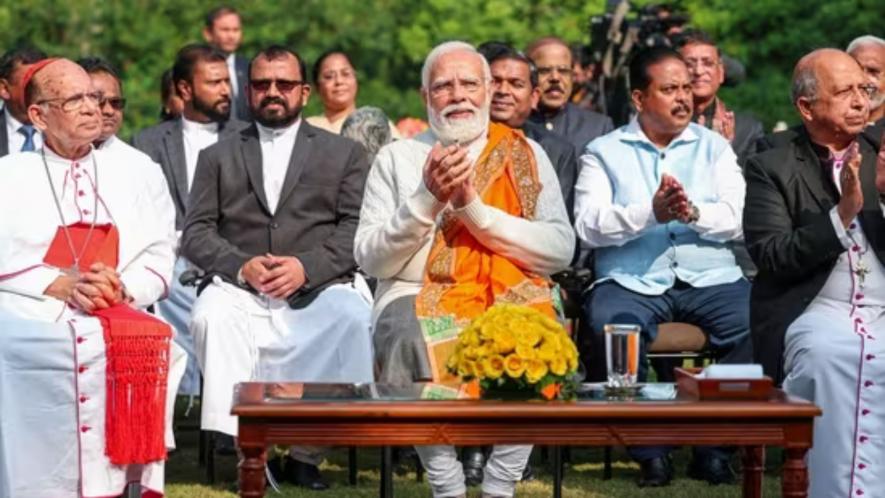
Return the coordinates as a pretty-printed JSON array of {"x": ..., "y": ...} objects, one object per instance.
[{"x": 861, "y": 271}]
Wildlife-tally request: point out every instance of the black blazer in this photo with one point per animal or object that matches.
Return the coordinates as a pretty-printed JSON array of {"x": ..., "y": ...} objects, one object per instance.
[
  {"x": 791, "y": 238},
  {"x": 576, "y": 125},
  {"x": 562, "y": 156},
  {"x": 164, "y": 143},
  {"x": 228, "y": 220}
]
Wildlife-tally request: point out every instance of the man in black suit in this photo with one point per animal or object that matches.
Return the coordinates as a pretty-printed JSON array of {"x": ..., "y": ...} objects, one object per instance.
[
  {"x": 814, "y": 225},
  {"x": 271, "y": 219},
  {"x": 554, "y": 112},
  {"x": 224, "y": 31},
  {"x": 201, "y": 79},
  {"x": 16, "y": 131},
  {"x": 707, "y": 74}
]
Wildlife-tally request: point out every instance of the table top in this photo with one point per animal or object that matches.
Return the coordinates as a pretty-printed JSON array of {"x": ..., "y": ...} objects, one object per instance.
[{"x": 435, "y": 401}]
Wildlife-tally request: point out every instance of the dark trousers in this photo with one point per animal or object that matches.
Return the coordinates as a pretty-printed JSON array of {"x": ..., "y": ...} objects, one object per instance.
[{"x": 722, "y": 311}]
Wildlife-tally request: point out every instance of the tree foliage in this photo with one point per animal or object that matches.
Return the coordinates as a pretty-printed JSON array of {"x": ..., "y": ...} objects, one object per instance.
[{"x": 388, "y": 39}]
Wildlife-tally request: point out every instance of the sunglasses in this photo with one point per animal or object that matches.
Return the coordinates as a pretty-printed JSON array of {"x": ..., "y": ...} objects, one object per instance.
[{"x": 283, "y": 86}]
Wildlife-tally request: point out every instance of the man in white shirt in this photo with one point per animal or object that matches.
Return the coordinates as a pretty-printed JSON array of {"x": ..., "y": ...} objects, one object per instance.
[
  {"x": 85, "y": 250},
  {"x": 202, "y": 80},
  {"x": 271, "y": 221},
  {"x": 16, "y": 131},
  {"x": 453, "y": 178},
  {"x": 223, "y": 30}
]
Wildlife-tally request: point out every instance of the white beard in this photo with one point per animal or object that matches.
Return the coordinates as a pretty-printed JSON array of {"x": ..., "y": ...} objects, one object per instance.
[{"x": 462, "y": 131}]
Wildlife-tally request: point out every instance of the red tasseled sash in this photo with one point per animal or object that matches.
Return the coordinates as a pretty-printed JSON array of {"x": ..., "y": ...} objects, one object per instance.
[{"x": 137, "y": 352}]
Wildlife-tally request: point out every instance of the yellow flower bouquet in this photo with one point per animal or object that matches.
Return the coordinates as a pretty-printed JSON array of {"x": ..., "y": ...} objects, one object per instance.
[{"x": 517, "y": 351}]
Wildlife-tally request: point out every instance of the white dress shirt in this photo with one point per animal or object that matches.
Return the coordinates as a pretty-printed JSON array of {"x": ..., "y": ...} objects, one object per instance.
[
  {"x": 232, "y": 69},
  {"x": 197, "y": 136},
  {"x": 276, "y": 150},
  {"x": 16, "y": 139}
]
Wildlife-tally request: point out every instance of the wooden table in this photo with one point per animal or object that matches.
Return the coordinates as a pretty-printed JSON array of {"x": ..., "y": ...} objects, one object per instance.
[{"x": 339, "y": 415}]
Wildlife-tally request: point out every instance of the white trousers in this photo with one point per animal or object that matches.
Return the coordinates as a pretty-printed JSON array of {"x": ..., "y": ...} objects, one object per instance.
[
  {"x": 239, "y": 337},
  {"x": 835, "y": 357},
  {"x": 446, "y": 475},
  {"x": 52, "y": 413}
]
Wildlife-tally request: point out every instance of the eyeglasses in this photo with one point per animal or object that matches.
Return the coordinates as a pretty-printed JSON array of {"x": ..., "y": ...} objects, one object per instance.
[
  {"x": 116, "y": 103},
  {"x": 704, "y": 63},
  {"x": 75, "y": 102},
  {"x": 283, "y": 86}
]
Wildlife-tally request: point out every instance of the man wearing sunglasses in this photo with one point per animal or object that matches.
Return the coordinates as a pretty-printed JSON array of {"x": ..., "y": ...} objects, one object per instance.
[{"x": 272, "y": 217}]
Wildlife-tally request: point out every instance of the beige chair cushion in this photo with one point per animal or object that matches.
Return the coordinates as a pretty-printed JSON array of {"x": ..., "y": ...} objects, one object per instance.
[{"x": 674, "y": 337}]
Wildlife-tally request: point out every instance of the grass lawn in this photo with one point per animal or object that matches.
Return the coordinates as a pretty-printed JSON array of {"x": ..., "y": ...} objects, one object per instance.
[{"x": 583, "y": 478}]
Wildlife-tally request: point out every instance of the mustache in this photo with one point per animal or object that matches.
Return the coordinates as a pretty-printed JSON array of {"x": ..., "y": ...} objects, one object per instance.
[
  {"x": 555, "y": 86},
  {"x": 457, "y": 108},
  {"x": 273, "y": 100}
]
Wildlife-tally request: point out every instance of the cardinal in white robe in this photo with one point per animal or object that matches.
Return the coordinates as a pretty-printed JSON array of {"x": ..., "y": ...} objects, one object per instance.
[{"x": 87, "y": 380}]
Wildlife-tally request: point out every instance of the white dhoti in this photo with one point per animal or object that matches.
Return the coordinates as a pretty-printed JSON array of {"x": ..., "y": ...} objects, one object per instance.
[
  {"x": 835, "y": 357},
  {"x": 52, "y": 413},
  {"x": 446, "y": 474},
  {"x": 241, "y": 337},
  {"x": 176, "y": 311}
]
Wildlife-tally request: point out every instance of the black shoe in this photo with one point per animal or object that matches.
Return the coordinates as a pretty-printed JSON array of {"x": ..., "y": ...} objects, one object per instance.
[
  {"x": 714, "y": 470},
  {"x": 305, "y": 475},
  {"x": 224, "y": 444},
  {"x": 655, "y": 472},
  {"x": 474, "y": 461}
]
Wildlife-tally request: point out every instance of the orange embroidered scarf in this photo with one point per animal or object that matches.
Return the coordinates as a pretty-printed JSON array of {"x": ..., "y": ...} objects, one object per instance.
[{"x": 463, "y": 277}]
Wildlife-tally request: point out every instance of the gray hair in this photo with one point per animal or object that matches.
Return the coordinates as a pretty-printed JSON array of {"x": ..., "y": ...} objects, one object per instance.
[
  {"x": 864, "y": 40},
  {"x": 804, "y": 84},
  {"x": 447, "y": 48},
  {"x": 370, "y": 127}
]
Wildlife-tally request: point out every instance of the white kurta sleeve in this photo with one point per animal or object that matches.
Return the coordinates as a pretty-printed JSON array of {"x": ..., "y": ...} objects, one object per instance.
[
  {"x": 720, "y": 221},
  {"x": 147, "y": 277},
  {"x": 598, "y": 221},
  {"x": 544, "y": 245},
  {"x": 388, "y": 234}
]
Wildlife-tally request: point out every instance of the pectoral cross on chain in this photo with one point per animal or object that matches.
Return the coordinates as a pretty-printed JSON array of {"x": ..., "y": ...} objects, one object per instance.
[{"x": 861, "y": 271}]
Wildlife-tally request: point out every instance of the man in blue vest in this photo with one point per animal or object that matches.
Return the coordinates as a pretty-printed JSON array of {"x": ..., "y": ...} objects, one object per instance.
[{"x": 660, "y": 199}]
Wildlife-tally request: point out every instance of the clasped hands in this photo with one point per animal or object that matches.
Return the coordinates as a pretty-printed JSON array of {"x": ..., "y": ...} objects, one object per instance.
[
  {"x": 851, "y": 200},
  {"x": 274, "y": 276},
  {"x": 97, "y": 289},
  {"x": 448, "y": 175},
  {"x": 670, "y": 202}
]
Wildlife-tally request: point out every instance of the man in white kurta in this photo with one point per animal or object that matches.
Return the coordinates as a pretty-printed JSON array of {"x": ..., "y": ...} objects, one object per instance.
[
  {"x": 52, "y": 353},
  {"x": 814, "y": 223},
  {"x": 411, "y": 183}
]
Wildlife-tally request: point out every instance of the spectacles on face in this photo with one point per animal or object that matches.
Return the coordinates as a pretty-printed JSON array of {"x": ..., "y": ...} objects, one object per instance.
[
  {"x": 548, "y": 70},
  {"x": 702, "y": 63},
  {"x": 283, "y": 86},
  {"x": 75, "y": 102},
  {"x": 116, "y": 103}
]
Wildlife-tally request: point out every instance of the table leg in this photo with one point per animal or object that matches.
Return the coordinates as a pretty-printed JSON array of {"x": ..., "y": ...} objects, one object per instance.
[
  {"x": 386, "y": 472},
  {"x": 794, "y": 483},
  {"x": 252, "y": 471},
  {"x": 557, "y": 471},
  {"x": 754, "y": 464}
]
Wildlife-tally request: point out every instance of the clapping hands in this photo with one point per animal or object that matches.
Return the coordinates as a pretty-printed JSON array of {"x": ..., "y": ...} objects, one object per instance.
[{"x": 670, "y": 202}]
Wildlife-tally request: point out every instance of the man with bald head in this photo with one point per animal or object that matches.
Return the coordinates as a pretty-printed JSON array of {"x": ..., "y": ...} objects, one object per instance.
[
  {"x": 869, "y": 51},
  {"x": 813, "y": 223},
  {"x": 439, "y": 211},
  {"x": 85, "y": 253},
  {"x": 554, "y": 111}
]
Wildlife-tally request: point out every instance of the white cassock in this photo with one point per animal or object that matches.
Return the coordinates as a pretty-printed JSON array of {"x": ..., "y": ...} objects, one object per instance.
[
  {"x": 243, "y": 337},
  {"x": 835, "y": 357},
  {"x": 52, "y": 358}
]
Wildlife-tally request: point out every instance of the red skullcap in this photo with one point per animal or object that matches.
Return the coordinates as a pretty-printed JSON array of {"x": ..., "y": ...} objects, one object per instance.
[{"x": 29, "y": 75}]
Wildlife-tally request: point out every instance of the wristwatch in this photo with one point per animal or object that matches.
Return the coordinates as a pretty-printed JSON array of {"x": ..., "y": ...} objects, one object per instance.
[{"x": 695, "y": 214}]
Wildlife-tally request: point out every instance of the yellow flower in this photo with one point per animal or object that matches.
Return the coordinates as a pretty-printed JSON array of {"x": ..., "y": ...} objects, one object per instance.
[
  {"x": 524, "y": 351},
  {"x": 479, "y": 369},
  {"x": 466, "y": 368},
  {"x": 572, "y": 362},
  {"x": 505, "y": 342},
  {"x": 547, "y": 351},
  {"x": 529, "y": 335},
  {"x": 493, "y": 366},
  {"x": 469, "y": 353},
  {"x": 535, "y": 370},
  {"x": 552, "y": 340},
  {"x": 559, "y": 366},
  {"x": 514, "y": 366}
]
